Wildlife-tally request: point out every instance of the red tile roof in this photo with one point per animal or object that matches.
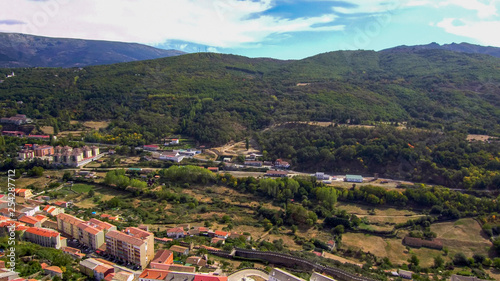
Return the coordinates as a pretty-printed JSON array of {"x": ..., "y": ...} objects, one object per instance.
[
  {"x": 69, "y": 219},
  {"x": 54, "y": 269},
  {"x": 162, "y": 256},
  {"x": 87, "y": 228},
  {"x": 42, "y": 232},
  {"x": 100, "y": 224},
  {"x": 120, "y": 236},
  {"x": 102, "y": 268},
  {"x": 200, "y": 277},
  {"x": 29, "y": 220},
  {"x": 221, "y": 233},
  {"x": 154, "y": 274}
]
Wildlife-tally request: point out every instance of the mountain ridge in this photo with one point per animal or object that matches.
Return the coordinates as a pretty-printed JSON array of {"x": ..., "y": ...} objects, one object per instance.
[
  {"x": 463, "y": 47},
  {"x": 23, "y": 50}
]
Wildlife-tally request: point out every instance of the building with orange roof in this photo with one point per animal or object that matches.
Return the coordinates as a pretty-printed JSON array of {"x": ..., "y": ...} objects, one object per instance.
[
  {"x": 162, "y": 257},
  {"x": 23, "y": 193},
  {"x": 133, "y": 245},
  {"x": 53, "y": 271},
  {"x": 179, "y": 249},
  {"x": 53, "y": 210},
  {"x": 75, "y": 253},
  {"x": 30, "y": 221},
  {"x": 90, "y": 236},
  {"x": 102, "y": 270},
  {"x": 175, "y": 267},
  {"x": 44, "y": 237},
  {"x": 221, "y": 234},
  {"x": 68, "y": 224},
  {"x": 104, "y": 226},
  {"x": 123, "y": 276},
  {"x": 206, "y": 277},
  {"x": 153, "y": 275}
]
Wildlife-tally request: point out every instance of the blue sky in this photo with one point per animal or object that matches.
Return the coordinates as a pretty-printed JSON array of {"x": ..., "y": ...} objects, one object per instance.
[{"x": 285, "y": 29}]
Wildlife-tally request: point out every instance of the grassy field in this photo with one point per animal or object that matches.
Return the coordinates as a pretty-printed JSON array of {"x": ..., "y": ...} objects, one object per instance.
[
  {"x": 464, "y": 235},
  {"x": 82, "y": 188}
]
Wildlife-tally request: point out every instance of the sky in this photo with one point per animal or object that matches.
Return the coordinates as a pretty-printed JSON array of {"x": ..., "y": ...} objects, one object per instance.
[{"x": 283, "y": 29}]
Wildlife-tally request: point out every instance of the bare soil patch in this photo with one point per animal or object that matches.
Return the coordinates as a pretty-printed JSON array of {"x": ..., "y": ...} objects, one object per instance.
[{"x": 96, "y": 125}]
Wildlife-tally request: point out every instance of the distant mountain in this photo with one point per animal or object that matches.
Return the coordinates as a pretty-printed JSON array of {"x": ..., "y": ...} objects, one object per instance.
[
  {"x": 462, "y": 47},
  {"x": 21, "y": 50}
]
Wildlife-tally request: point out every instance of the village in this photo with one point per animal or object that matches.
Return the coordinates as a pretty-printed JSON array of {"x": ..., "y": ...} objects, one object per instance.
[{"x": 107, "y": 251}]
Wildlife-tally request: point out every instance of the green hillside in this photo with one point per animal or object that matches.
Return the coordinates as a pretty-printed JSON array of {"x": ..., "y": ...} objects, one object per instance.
[{"x": 215, "y": 97}]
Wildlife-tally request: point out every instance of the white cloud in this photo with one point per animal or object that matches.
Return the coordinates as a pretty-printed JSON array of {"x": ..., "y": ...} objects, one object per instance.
[
  {"x": 482, "y": 31},
  {"x": 483, "y": 10},
  {"x": 220, "y": 23}
]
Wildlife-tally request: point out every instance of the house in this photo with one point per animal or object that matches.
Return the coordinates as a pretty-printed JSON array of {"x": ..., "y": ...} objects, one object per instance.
[
  {"x": 75, "y": 253},
  {"x": 320, "y": 277},
  {"x": 206, "y": 277},
  {"x": 280, "y": 164},
  {"x": 122, "y": 276},
  {"x": 353, "y": 178},
  {"x": 226, "y": 159},
  {"x": 281, "y": 275},
  {"x": 180, "y": 276},
  {"x": 175, "y": 157},
  {"x": 253, "y": 163},
  {"x": 216, "y": 240},
  {"x": 102, "y": 270},
  {"x": 18, "y": 134},
  {"x": 28, "y": 210},
  {"x": 179, "y": 250},
  {"x": 52, "y": 210},
  {"x": 174, "y": 141},
  {"x": 63, "y": 204},
  {"x": 195, "y": 260},
  {"x": 405, "y": 274},
  {"x": 30, "y": 221},
  {"x": 176, "y": 232},
  {"x": 151, "y": 147},
  {"x": 18, "y": 119},
  {"x": 87, "y": 266},
  {"x": 176, "y": 268},
  {"x": 162, "y": 257},
  {"x": 280, "y": 174},
  {"x": 153, "y": 275},
  {"x": 213, "y": 169},
  {"x": 6, "y": 275},
  {"x": 221, "y": 234},
  {"x": 331, "y": 245},
  {"x": 23, "y": 193},
  {"x": 53, "y": 271},
  {"x": 321, "y": 176}
]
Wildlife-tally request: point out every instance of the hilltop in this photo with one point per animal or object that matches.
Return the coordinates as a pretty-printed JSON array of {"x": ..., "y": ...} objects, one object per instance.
[{"x": 21, "y": 50}]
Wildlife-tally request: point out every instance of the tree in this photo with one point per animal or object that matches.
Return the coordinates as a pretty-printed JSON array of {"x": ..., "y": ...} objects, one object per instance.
[
  {"x": 91, "y": 193},
  {"x": 67, "y": 176},
  {"x": 247, "y": 143},
  {"x": 460, "y": 259},
  {"x": 414, "y": 260},
  {"x": 438, "y": 262},
  {"x": 339, "y": 229},
  {"x": 36, "y": 172}
]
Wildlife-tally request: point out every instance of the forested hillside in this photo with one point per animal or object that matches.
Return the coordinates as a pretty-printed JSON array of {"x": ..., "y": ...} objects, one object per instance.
[{"x": 215, "y": 97}]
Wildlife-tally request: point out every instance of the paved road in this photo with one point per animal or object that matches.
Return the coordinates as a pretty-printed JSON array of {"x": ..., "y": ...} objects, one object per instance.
[{"x": 238, "y": 276}]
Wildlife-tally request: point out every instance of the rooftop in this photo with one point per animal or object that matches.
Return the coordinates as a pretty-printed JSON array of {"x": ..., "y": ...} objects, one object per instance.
[
  {"x": 42, "y": 232},
  {"x": 157, "y": 274},
  {"x": 120, "y": 236},
  {"x": 161, "y": 256}
]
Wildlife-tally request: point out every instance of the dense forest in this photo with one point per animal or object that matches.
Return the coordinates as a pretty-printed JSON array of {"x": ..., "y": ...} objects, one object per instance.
[
  {"x": 215, "y": 98},
  {"x": 419, "y": 155}
]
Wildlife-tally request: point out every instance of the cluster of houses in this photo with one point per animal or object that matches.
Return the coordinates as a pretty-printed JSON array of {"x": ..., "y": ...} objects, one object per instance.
[
  {"x": 65, "y": 155},
  {"x": 17, "y": 119}
]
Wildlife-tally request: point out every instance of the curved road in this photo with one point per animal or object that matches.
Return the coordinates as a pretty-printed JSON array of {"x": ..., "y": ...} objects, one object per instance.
[{"x": 238, "y": 276}]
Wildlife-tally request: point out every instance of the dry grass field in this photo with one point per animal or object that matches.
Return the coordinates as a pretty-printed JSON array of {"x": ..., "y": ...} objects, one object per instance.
[
  {"x": 96, "y": 125},
  {"x": 464, "y": 235}
]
